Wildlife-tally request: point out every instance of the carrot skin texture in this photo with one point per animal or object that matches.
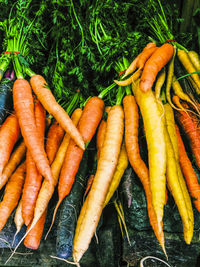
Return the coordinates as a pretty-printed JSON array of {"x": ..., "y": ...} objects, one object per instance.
[
  {"x": 89, "y": 216},
  {"x": 33, "y": 178},
  {"x": 32, "y": 240},
  {"x": 15, "y": 159},
  {"x": 144, "y": 56},
  {"x": 154, "y": 131},
  {"x": 18, "y": 217},
  {"x": 47, "y": 99},
  {"x": 188, "y": 172},
  {"x": 47, "y": 190},
  {"x": 154, "y": 64},
  {"x": 24, "y": 107},
  {"x": 132, "y": 146},
  {"x": 9, "y": 134},
  {"x": 12, "y": 194},
  {"x": 54, "y": 139}
]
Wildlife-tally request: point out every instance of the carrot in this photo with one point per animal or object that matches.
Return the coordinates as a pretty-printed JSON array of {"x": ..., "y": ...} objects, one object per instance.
[
  {"x": 18, "y": 219},
  {"x": 87, "y": 126},
  {"x": 169, "y": 81},
  {"x": 47, "y": 99},
  {"x": 175, "y": 180},
  {"x": 24, "y": 107},
  {"x": 101, "y": 134},
  {"x": 54, "y": 139},
  {"x": 190, "y": 128},
  {"x": 133, "y": 64},
  {"x": 15, "y": 158},
  {"x": 194, "y": 57},
  {"x": 188, "y": 172},
  {"x": 185, "y": 60},
  {"x": 33, "y": 178},
  {"x": 154, "y": 131},
  {"x": 159, "y": 83},
  {"x": 105, "y": 168},
  {"x": 138, "y": 165},
  {"x": 12, "y": 194},
  {"x": 154, "y": 64},
  {"x": 89, "y": 184},
  {"x": 122, "y": 164},
  {"x": 144, "y": 56},
  {"x": 9, "y": 134},
  {"x": 47, "y": 189},
  {"x": 32, "y": 240},
  {"x": 130, "y": 80}
]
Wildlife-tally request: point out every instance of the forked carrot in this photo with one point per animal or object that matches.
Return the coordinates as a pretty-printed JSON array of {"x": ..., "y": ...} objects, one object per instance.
[
  {"x": 9, "y": 134},
  {"x": 132, "y": 146},
  {"x": 24, "y": 107},
  {"x": 88, "y": 123},
  {"x": 154, "y": 64},
  {"x": 33, "y": 178},
  {"x": 54, "y": 139},
  {"x": 87, "y": 223},
  {"x": 12, "y": 194},
  {"x": 45, "y": 96},
  {"x": 144, "y": 56},
  {"x": 188, "y": 172}
]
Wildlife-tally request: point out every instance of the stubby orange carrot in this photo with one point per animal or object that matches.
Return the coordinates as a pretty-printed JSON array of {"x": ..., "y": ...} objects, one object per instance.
[
  {"x": 154, "y": 64},
  {"x": 45, "y": 96},
  {"x": 24, "y": 107}
]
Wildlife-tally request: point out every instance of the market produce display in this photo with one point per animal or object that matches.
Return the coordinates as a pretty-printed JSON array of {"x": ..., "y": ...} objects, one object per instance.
[{"x": 99, "y": 134}]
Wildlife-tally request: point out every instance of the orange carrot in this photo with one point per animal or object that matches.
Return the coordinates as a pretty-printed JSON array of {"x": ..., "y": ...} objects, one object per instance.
[
  {"x": 40, "y": 88},
  {"x": 190, "y": 128},
  {"x": 138, "y": 165},
  {"x": 12, "y": 194},
  {"x": 188, "y": 172},
  {"x": 89, "y": 184},
  {"x": 144, "y": 56},
  {"x": 33, "y": 178},
  {"x": 54, "y": 139},
  {"x": 154, "y": 64},
  {"x": 9, "y": 134},
  {"x": 32, "y": 240},
  {"x": 24, "y": 107},
  {"x": 87, "y": 126},
  {"x": 15, "y": 158}
]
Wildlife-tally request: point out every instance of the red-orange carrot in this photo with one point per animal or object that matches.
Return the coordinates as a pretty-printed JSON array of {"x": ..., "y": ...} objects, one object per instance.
[
  {"x": 154, "y": 64},
  {"x": 87, "y": 126},
  {"x": 32, "y": 240},
  {"x": 188, "y": 172},
  {"x": 132, "y": 147},
  {"x": 45, "y": 96},
  {"x": 24, "y": 107},
  {"x": 54, "y": 139},
  {"x": 12, "y": 194},
  {"x": 9, "y": 134},
  {"x": 190, "y": 128},
  {"x": 33, "y": 178}
]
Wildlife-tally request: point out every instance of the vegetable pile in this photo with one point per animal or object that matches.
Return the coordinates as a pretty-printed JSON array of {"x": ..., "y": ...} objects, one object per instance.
[{"x": 76, "y": 146}]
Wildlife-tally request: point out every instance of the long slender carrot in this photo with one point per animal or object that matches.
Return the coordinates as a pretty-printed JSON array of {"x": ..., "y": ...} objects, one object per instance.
[
  {"x": 9, "y": 134},
  {"x": 24, "y": 107},
  {"x": 12, "y": 194},
  {"x": 91, "y": 118},
  {"x": 188, "y": 172},
  {"x": 190, "y": 128},
  {"x": 86, "y": 226},
  {"x": 18, "y": 219},
  {"x": 15, "y": 158},
  {"x": 54, "y": 139},
  {"x": 154, "y": 64},
  {"x": 159, "y": 83},
  {"x": 40, "y": 88},
  {"x": 47, "y": 190},
  {"x": 154, "y": 131},
  {"x": 140, "y": 168},
  {"x": 32, "y": 240},
  {"x": 33, "y": 178},
  {"x": 130, "y": 80},
  {"x": 195, "y": 59}
]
